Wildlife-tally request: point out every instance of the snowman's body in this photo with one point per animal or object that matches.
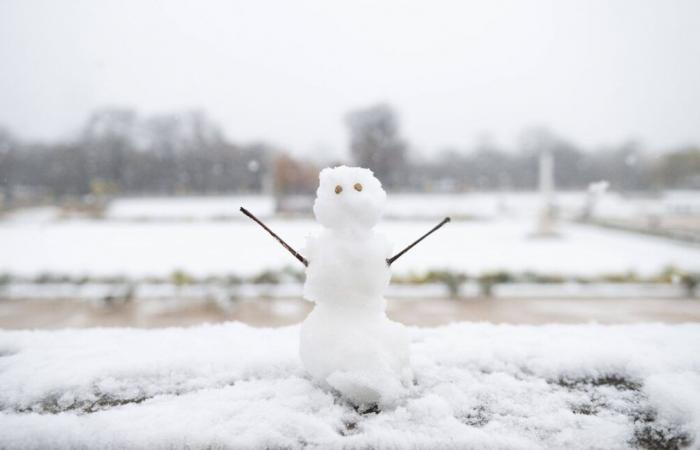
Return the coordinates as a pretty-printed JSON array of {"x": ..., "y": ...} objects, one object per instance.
[{"x": 347, "y": 341}]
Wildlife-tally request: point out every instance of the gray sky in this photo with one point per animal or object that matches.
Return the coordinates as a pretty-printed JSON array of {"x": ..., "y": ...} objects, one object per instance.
[{"x": 286, "y": 72}]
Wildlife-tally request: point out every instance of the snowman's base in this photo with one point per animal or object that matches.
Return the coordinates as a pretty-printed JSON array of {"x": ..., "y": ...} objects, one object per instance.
[{"x": 232, "y": 386}]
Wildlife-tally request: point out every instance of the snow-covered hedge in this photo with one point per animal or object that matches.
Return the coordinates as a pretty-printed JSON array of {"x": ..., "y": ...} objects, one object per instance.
[{"x": 232, "y": 386}]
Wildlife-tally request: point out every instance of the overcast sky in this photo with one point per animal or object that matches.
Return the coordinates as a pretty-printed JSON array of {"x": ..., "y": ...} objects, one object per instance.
[{"x": 595, "y": 71}]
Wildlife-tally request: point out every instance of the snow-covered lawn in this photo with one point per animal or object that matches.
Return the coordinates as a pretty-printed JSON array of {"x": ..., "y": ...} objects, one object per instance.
[
  {"x": 85, "y": 247},
  {"x": 232, "y": 386},
  {"x": 412, "y": 206},
  {"x": 188, "y": 208}
]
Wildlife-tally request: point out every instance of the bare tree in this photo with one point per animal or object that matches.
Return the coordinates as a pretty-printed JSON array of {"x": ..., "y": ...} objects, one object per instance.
[
  {"x": 375, "y": 142},
  {"x": 7, "y": 162}
]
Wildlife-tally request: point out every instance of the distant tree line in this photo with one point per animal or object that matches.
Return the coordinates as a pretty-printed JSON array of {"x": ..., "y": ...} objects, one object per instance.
[
  {"x": 118, "y": 152},
  {"x": 375, "y": 142}
]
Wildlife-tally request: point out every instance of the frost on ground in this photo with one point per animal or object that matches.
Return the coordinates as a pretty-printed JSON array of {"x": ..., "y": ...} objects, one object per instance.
[{"x": 233, "y": 386}]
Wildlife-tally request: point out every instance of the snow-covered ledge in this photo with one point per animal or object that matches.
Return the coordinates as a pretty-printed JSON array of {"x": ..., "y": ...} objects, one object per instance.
[{"x": 232, "y": 386}]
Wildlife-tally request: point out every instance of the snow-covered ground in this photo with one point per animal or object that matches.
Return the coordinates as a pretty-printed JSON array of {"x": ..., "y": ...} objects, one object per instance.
[
  {"x": 232, "y": 386},
  {"x": 399, "y": 206},
  {"x": 521, "y": 204},
  {"x": 87, "y": 247},
  {"x": 188, "y": 208},
  {"x": 413, "y": 206}
]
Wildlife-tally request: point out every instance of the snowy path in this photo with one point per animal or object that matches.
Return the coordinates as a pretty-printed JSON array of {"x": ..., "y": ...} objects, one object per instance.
[{"x": 232, "y": 386}]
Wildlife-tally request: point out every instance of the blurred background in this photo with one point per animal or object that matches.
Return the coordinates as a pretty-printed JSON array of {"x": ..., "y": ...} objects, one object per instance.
[{"x": 561, "y": 137}]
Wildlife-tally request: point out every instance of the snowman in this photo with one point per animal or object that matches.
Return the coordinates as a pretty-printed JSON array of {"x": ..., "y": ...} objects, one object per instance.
[{"x": 347, "y": 343}]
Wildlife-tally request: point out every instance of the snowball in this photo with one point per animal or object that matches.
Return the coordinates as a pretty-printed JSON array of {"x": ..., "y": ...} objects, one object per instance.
[
  {"x": 347, "y": 270},
  {"x": 360, "y": 353},
  {"x": 349, "y": 197}
]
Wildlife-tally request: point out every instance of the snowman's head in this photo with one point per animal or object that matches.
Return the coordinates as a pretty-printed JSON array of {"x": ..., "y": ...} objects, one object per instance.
[{"x": 349, "y": 198}]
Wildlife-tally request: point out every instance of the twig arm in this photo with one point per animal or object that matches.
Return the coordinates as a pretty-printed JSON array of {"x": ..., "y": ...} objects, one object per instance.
[
  {"x": 435, "y": 228},
  {"x": 295, "y": 253}
]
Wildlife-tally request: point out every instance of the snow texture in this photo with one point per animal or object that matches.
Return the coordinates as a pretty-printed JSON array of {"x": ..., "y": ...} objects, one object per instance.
[
  {"x": 347, "y": 342},
  {"x": 232, "y": 386}
]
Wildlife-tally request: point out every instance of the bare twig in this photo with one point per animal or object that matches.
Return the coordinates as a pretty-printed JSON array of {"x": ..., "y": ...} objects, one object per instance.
[
  {"x": 435, "y": 228},
  {"x": 296, "y": 254}
]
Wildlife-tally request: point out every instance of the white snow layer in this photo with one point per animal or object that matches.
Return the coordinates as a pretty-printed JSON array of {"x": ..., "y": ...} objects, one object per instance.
[
  {"x": 414, "y": 206},
  {"x": 232, "y": 386},
  {"x": 80, "y": 247}
]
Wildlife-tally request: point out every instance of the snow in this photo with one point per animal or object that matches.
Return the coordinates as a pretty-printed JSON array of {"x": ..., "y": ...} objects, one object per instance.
[
  {"x": 83, "y": 247},
  {"x": 348, "y": 197},
  {"x": 349, "y": 270},
  {"x": 187, "y": 208},
  {"x": 34, "y": 216},
  {"x": 414, "y": 206},
  {"x": 361, "y": 354},
  {"x": 156, "y": 236},
  {"x": 475, "y": 386}
]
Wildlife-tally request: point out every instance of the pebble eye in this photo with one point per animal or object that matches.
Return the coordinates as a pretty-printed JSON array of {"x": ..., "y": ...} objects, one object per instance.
[
  {"x": 338, "y": 189},
  {"x": 358, "y": 187}
]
